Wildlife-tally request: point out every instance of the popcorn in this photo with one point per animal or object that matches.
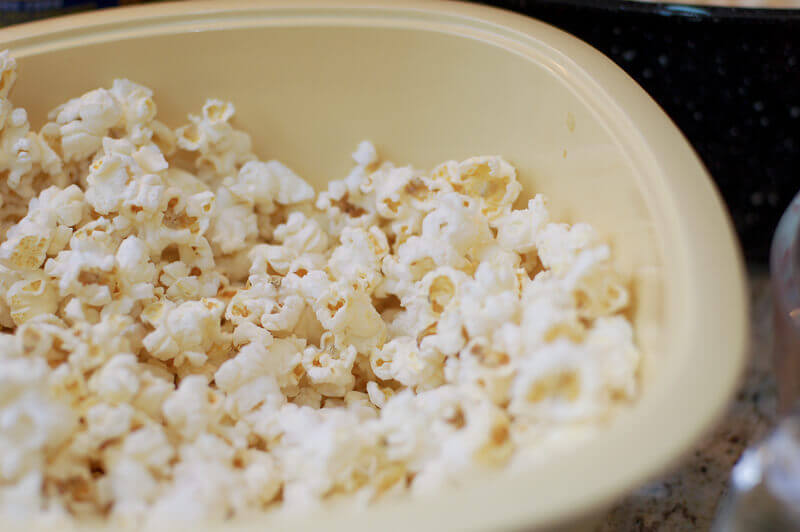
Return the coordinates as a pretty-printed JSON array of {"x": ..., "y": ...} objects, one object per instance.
[
  {"x": 270, "y": 182},
  {"x": 235, "y": 224},
  {"x": 24, "y": 154},
  {"x": 153, "y": 390},
  {"x": 548, "y": 313},
  {"x": 261, "y": 478},
  {"x": 558, "y": 244},
  {"x": 348, "y": 312},
  {"x": 107, "y": 176},
  {"x": 402, "y": 360},
  {"x": 86, "y": 270},
  {"x": 133, "y": 487},
  {"x": 365, "y": 153},
  {"x": 137, "y": 109},
  {"x": 45, "y": 229},
  {"x": 358, "y": 258},
  {"x": 302, "y": 234},
  {"x": 185, "y": 332},
  {"x": 32, "y": 296},
  {"x": 32, "y": 423},
  {"x": 98, "y": 342},
  {"x": 350, "y": 202},
  {"x": 148, "y": 446},
  {"x": 490, "y": 299},
  {"x": 135, "y": 273},
  {"x": 457, "y": 221},
  {"x": 518, "y": 230},
  {"x": 185, "y": 283},
  {"x": 329, "y": 369},
  {"x": 197, "y": 339},
  {"x": 279, "y": 359},
  {"x": 221, "y": 149},
  {"x": 612, "y": 341},
  {"x": 491, "y": 180},
  {"x": 553, "y": 386},
  {"x": 118, "y": 380},
  {"x": 192, "y": 408},
  {"x": 378, "y": 395},
  {"x": 8, "y": 73},
  {"x": 108, "y": 422},
  {"x": 84, "y": 121},
  {"x": 483, "y": 366},
  {"x": 318, "y": 456}
]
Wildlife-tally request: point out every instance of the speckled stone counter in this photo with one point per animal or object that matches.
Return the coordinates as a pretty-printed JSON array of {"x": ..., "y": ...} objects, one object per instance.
[{"x": 687, "y": 497}]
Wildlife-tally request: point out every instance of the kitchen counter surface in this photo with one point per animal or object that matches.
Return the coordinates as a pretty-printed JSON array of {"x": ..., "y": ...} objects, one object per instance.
[{"x": 687, "y": 497}]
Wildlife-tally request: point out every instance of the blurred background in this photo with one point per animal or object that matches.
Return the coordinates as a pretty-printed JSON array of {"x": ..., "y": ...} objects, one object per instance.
[{"x": 27, "y": 10}]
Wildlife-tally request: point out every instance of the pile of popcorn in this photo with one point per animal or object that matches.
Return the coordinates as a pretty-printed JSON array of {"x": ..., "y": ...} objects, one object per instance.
[{"x": 191, "y": 333}]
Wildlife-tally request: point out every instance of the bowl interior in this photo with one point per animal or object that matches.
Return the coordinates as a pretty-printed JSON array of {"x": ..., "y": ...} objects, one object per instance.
[{"x": 427, "y": 86}]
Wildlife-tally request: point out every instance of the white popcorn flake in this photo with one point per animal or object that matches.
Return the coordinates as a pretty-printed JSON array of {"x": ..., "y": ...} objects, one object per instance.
[
  {"x": 8, "y": 73},
  {"x": 107, "y": 176},
  {"x": 147, "y": 445},
  {"x": 25, "y": 155},
  {"x": 490, "y": 180},
  {"x": 558, "y": 244},
  {"x": 133, "y": 263},
  {"x": 330, "y": 370},
  {"x": 108, "y": 422},
  {"x": 518, "y": 230},
  {"x": 490, "y": 299},
  {"x": 133, "y": 488},
  {"x": 261, "y": 477},
  {"x": 402, "y": 360},
  {"x": 348, "y": 312},
  {"x": 85, "y": 270},
  {"x": 358, "y": 258},
  {"x": 118, "y": 380},
  {"x": 194, "y": 339},
  {"x": 137, "y": 107},
  {"x": 302, "y": 234},
  {"x": 192, "y": 408},
  {"x": 270, "y": 182},
  {"x": 84, "y": 121},
  {"x": 365, "y": 153},
  {"x": 45, "y": 229},
  {"x": 185, "y": 332},
  {"x": 32, "y": 296},
  {"x": 221, "y": 149},
  {"x": 279, "y": 359},
  {"x": 32, "y": 422}
]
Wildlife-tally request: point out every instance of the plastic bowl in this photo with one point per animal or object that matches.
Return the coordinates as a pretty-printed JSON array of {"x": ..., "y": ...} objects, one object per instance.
[{"x": 429, "y": 81}]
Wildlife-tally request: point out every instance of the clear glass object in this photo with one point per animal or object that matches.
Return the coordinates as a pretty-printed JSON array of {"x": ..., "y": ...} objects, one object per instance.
[
  {"x": 785, "y": 278},
  {"x": 764, "y": 488}
]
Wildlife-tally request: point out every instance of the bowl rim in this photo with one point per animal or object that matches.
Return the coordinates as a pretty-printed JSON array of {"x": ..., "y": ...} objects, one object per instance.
[{"x": 709, "y": 262}]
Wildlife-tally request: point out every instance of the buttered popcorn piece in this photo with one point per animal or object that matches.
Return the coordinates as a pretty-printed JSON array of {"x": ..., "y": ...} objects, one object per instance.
[
  {"x": 190, "y": 334},
  {"x": 45, "y": 229},
  {"x": 24, "y": 154},
  {"x": 184, "y": 333}
]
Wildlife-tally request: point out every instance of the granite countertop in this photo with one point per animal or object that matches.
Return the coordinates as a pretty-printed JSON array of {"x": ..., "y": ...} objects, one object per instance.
[{"x": 687, "y": 497}]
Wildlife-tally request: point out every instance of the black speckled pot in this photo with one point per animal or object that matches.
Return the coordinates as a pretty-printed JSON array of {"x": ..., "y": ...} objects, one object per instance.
[{"x": 730, "y": 79}]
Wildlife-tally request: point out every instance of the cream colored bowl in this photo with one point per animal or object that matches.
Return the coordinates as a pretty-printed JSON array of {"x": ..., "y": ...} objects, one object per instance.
[{"x": 430, "y": 81}]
